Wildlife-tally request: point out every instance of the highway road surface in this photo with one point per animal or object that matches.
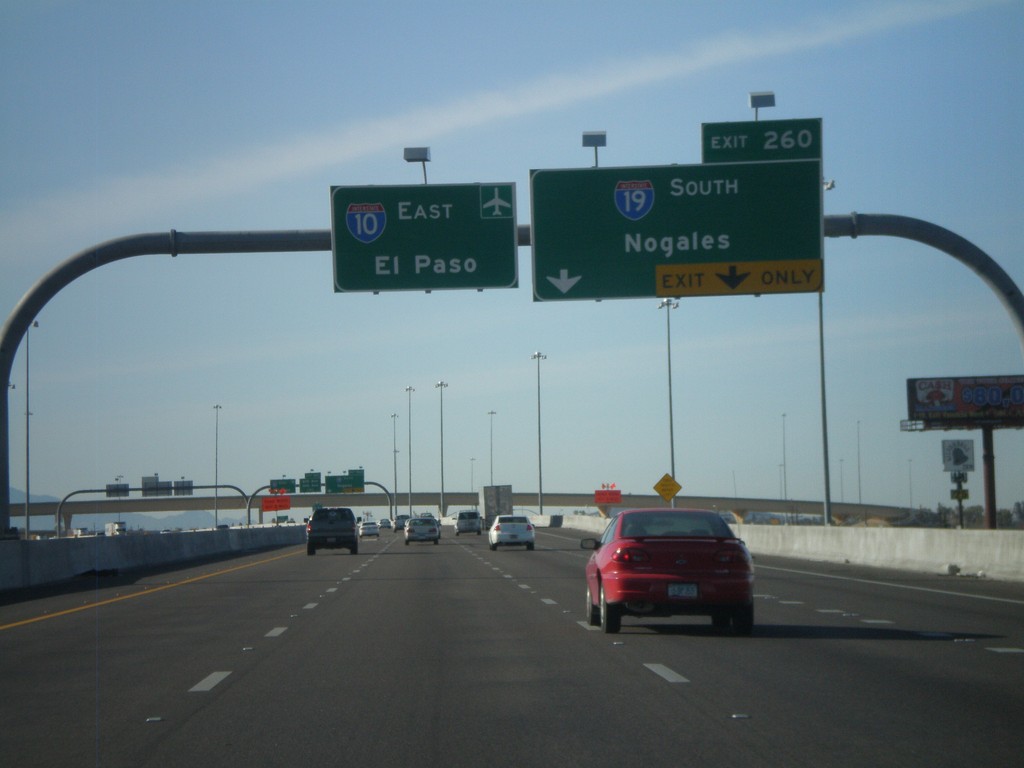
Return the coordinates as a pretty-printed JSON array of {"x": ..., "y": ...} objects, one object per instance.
[{"x": 453, "y": 655}]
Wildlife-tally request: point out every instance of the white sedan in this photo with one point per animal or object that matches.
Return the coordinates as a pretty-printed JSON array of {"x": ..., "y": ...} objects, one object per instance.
[
  {"x": 368, "y": 528},
  {"x": 422, "y": 529},
  {"x": 510, "y": 530}
]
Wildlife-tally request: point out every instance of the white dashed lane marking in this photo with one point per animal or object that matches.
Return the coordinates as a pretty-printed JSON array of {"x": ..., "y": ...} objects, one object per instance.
[
  {"x": 209, "y": 682},
  {"x": 276, "y": 632},
  {"x": 667, "y": 674}
]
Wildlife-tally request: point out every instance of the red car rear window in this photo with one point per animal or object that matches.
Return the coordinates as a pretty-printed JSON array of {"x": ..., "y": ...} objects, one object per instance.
[{"x": 673, "y": 523}]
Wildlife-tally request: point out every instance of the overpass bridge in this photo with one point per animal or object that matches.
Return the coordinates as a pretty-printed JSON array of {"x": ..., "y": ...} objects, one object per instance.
[{"x": 843, "y": 513}]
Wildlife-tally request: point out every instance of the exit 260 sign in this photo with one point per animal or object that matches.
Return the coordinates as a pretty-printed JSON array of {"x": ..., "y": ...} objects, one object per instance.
[{"x": 424, "y": 238}]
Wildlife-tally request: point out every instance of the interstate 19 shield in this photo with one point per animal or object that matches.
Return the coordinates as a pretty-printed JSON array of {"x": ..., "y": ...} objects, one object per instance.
[{"x": 634, "y": 199}]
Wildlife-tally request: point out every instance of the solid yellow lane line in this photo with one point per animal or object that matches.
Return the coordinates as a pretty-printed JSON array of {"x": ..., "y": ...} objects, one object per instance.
[{"x": 144, "y": 592}]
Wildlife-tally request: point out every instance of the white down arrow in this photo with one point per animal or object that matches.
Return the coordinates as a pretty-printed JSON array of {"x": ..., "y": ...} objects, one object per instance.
[{"x": 563, "y": 282}]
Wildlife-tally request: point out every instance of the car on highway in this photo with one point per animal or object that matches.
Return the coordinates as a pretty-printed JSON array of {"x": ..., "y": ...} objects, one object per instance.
[
  {"x": 430, "y": 516},
  {"x": 511, "y": 530},
  {"x": 369, "y": 528},
  {"x": 468, "y": 521},
  {"x": 422, "y": 529},
  {"x": 332, "y": 528},
  {"x": 669, "y": 562},
  {"x": 400, "y": 521},
  {"x": 385, "y": 524}
]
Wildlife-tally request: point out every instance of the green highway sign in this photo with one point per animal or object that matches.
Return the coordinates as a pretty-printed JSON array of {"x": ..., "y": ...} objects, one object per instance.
[
  {"x": 424, "y": 238},
  {"x": 284, "y": 485},
  {"x": 608, "y": 233},
  {"x": 310, "y": 483},
  {"x": 761, "y": 140},
  {"x": 352, "y": 481}
]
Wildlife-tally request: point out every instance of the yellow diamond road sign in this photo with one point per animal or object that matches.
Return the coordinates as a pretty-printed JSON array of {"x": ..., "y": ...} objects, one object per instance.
[{"x": 667, "y": 487}]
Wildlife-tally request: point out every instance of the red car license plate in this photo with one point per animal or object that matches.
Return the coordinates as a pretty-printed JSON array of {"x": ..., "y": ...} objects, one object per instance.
[{"x": 682, "y": 590}]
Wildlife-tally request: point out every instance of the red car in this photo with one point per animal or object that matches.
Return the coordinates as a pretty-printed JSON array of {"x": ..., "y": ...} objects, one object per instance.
[{"x": 669, "y": 562}]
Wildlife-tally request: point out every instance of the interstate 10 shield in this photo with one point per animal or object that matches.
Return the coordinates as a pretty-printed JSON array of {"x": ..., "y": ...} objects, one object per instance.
[
  {"x": 365, "y": 221},
  {"x": 634, "y": 199}
]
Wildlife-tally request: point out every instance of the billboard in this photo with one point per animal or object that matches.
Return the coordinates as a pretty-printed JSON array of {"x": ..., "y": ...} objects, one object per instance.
[{"x": 966, "y": 402}]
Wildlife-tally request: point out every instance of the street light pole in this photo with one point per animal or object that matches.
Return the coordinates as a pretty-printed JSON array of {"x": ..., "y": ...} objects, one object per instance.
[
  {"x": 669, "y": 305},
  {"x": 491, "y": 414},
  {"x": 842, "y": 489},
  {"x": 216, "y": 466},
  {"x": 28, "y": 493},
  {"x": 785, "y": 486},
  {"x": 859, "y": 500},
  {"x": 440, "y": 386},
  {"x": 409, "y": 390},
  {"x": 540, "y": 465},
  {"x": 394, "y": 449},
  {"x": 910, "y": 482}
]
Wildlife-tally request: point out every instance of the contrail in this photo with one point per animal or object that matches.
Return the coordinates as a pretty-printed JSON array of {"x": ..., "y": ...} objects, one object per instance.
[{"x": 108, "y": 204}]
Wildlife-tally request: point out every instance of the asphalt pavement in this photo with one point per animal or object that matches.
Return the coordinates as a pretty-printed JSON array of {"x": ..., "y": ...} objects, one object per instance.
[{"x": 453, "y": 655}]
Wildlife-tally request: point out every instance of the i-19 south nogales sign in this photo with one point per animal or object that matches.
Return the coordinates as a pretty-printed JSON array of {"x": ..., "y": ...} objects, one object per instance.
[
  {"x": 730, "y": 228},
  {"x": 424, "y": 238}
]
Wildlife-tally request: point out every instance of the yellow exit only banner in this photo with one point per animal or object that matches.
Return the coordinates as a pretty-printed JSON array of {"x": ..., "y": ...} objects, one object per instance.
[{"x": 745, "y": 277}]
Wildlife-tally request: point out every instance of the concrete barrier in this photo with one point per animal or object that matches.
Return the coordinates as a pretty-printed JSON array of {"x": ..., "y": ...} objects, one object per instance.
[
  {"x": 47, "y": 561},
  {"x": 992, "y": 554}
]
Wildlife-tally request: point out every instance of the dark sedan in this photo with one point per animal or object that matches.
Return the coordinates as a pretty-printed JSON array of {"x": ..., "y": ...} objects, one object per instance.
[{"x": 669, "y": 562}]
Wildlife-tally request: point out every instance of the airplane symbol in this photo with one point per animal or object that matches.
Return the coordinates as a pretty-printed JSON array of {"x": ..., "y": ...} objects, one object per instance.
[{"x": 496, "y": 204}]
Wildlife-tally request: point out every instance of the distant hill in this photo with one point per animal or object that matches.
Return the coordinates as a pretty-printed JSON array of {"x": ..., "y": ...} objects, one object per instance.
[
  {"x": 133, "y": 520},
  {"x": 156, "y": 522},
  {"x": 18, "y": 496}
]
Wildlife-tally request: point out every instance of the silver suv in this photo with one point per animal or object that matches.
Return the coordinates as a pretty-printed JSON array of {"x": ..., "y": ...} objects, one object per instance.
[{"x": 468, "y": 521}]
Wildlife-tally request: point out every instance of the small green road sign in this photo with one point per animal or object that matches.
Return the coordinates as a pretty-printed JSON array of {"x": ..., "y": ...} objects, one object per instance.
[
  {"x": 424, "y": 238},
  {"x": 761, "y": 140},
  {"x": 608, "y": 233},
  {"x": 284, "y": 485},
  {"x": 310, "y": 483}
]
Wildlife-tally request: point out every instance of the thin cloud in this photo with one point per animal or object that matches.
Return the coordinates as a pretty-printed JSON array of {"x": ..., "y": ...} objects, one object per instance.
[{"x": 109, "y": 203}]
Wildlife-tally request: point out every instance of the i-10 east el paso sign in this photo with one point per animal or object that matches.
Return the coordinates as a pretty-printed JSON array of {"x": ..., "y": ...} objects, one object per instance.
[
  {"x": 424, "y": 238},
  {"x": 678, "y": 230}
]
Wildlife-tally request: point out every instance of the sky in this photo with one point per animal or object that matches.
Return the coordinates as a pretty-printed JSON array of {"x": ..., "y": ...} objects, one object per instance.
[{"x": 121, "y": 118}]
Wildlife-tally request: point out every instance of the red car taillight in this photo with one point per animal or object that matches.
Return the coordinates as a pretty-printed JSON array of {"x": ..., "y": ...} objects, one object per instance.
[
  {"x": 630, "y": 555},
  {"x": 529, "y": 527},
  {"x": 308, "y": 526},
  {"x": 497, "y": 528},
  {"x": 733, "y": 554}
]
